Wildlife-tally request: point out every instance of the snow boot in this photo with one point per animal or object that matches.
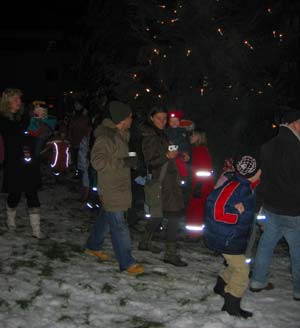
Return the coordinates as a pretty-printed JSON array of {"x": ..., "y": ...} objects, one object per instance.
[
  {"x": 219, "y": 287},
  {"x": 34, "y": 215},
  {"x": 257, "y": 287},
  {"x": 135, "y": 269},
  {"x": 232, "y": 305},
  {"x": 103, "y": 256},
  {"x": 146, "y": 243},
  {"x": 172, "y": 256},
  {"x": 11, "y": 218}
]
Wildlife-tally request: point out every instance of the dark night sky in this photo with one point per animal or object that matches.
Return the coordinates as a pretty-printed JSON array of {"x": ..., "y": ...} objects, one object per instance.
[{"x": 42, "y": 15}]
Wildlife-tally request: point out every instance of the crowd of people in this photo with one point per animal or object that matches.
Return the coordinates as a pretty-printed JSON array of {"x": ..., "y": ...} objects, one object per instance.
[{"x": 172, "y": 163}]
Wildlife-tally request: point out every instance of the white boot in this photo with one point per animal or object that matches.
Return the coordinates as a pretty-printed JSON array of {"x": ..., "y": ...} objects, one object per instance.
[
  {"x": 34, "y": 215},
  {"x": 11, "y": 218}
]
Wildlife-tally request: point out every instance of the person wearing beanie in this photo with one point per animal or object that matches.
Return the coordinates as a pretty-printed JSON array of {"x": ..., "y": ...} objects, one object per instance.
[
  {"x": 279, "y": 195},
  {"x": 228, "y": 223},
  {"x": 110, "y": 158}
]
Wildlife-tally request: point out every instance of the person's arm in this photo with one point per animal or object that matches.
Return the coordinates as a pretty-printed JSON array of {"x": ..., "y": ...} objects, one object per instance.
[
  {"x": 100, "y": 155},
  {"x": 153, "y": 155}
]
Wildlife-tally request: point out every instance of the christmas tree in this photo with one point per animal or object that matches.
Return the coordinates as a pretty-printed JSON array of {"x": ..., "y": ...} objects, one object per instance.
[{"x": 227, "y": 64}]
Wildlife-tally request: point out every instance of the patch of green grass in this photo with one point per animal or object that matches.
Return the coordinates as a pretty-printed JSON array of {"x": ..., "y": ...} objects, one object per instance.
[
  {"x": 64, "y": 318},
  {"x": 47, "y": 271},
  {"x": 138, "y": 322},
  {"x": 107, "y": 288},
  {"x": 123, "y": 302},
  {"x": 183, "y": 301},
  {"x": 24, "y": 304},
  {"x": 56, "y": 251},
  {"x": 23, "y": 263},
  {"x": 3, "y": 303},
  {"x": 65, "y": 296}
]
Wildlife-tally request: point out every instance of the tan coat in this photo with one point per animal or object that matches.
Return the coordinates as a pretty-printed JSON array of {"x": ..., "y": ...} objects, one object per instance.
[
  {"x": 114, "y": 182},
  {"x": 155, "y": 147}
]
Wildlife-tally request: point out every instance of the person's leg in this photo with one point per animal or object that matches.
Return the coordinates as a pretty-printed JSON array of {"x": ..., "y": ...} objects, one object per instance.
[
  {"x": 291, "y": 234},
  {"x": 171, "y": 252},
  {"x": 13, "y": 199},
  {"x": 98, "y": 232},
  {"x": 172, "y": 226},
  {"x": 32, "y": 199},
  {"x": 237, "y": 281},
  {"x": 269, "y": 239},
  {"x": 33, "y": 204},
  {"x": 236, "y": 285},
  {"x": 146, "y": 243},
  {"x": 120, "y": 239},
  {"x": 12, "y": 202}
]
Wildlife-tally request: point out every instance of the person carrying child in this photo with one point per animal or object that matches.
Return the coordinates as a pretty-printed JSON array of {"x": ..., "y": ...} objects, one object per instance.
[{"x": 228, "y": 225}]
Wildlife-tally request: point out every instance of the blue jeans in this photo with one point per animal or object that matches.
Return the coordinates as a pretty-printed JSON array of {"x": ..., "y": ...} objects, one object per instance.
[
  {"x": 115, "y": 222},
  {"x": 275, "y": 227}
]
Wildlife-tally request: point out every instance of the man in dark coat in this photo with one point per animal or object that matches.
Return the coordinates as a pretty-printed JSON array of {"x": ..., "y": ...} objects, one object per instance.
[
  {"x": 21, "y": 168},
  {"x": 279, "y": 193}
]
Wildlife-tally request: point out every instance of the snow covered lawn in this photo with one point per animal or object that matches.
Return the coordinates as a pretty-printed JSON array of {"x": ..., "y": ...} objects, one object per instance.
[{"x": 53, "y": 284}]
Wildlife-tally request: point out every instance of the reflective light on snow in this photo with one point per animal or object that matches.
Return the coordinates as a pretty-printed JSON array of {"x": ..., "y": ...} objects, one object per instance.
[
  {"x": 195, "y": 227},
  {"x": 203, "y": 173},
  {"x": 56, "y": 155}
]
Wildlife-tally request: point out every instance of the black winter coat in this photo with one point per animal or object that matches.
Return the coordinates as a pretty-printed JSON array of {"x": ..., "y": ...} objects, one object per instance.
[
  {"x": 279, "y": 190},
  {"x": 155, "y": 147},
  {"x": 19, "y": 175}
]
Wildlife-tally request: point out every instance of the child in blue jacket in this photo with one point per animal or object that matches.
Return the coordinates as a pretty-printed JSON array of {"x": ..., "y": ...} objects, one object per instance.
[{"x": 228, "y": 224}]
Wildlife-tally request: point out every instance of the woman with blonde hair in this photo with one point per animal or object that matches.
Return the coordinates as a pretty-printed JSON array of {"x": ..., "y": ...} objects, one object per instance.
[{"x": 21, "y": 168}]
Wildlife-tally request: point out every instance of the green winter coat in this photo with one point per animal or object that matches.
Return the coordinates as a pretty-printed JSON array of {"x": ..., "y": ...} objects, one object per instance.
[
  {"x": 108, "y": 152},
  {"x": 155, "y": 147}
]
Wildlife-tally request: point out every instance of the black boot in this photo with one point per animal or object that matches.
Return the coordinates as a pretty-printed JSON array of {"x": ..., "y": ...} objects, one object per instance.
[
  {"x": 146, "y": 243},
  {"x": 232, "y": 305},
  {"x": 219, "y": 287},
  {"x": 171, "y": 255}
]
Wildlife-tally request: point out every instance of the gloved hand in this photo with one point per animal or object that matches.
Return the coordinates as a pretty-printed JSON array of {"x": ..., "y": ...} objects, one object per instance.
[{"x": 131, "y": 162}]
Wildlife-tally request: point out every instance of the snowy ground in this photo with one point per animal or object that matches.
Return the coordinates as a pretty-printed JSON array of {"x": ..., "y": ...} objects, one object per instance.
[{"x": 53, "y": 284}]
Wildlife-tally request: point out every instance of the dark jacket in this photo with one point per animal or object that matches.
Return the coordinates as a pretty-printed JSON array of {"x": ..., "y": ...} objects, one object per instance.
[
  {"x": 279, "y": 191},
  {"x": 155, "y": 148},
  {"x": 19, "y": 175},
  {"x": 177, "y": 136},
  {"x": 108, "y": 152},
  {"x": 226, "y": 230}
]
